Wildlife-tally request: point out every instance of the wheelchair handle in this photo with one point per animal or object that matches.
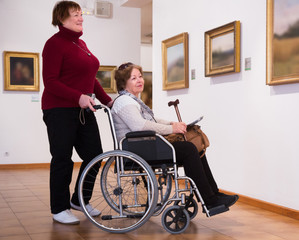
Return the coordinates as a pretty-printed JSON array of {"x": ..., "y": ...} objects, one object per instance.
[{"x": 96, "y": 107}]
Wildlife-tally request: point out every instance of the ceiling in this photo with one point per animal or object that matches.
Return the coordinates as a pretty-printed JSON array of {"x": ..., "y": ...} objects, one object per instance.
[{"x": 146, "y": 17}]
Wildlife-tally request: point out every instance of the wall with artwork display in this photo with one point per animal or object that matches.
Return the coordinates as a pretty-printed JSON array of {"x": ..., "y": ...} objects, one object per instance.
[
  {"x": 26, "y": 25},
  {"x": 252, "y": 127}
]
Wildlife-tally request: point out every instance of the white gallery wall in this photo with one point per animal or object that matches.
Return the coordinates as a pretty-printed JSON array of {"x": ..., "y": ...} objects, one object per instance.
[
  {"x": 253, "y": 128},
  {"x": 26, "y": 25}
]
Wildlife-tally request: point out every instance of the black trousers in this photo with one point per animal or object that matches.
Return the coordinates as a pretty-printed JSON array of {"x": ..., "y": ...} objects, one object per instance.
[
  {"x": 65, "y": 132},
  {"x": 196, "y": 168}
]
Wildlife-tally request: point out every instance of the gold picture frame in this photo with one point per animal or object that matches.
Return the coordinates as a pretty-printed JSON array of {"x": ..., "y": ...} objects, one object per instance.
[
  {"x": 105, "y": 76},
  {"x": 282, "y": 42},
  {"x": 175, "y": 62},
  {"x": 21, "y": 71},
  {"x": 222, "y": 50}
]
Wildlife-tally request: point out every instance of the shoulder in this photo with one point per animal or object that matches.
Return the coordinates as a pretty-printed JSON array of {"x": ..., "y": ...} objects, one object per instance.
[
  {"x": 123, "y": 101},
  {"x": 55, "y": 39},
  {"x": 54, "y": 43}
]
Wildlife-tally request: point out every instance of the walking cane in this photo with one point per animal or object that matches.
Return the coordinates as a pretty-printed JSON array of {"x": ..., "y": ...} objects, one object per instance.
[{"x": 175, "y": 104}]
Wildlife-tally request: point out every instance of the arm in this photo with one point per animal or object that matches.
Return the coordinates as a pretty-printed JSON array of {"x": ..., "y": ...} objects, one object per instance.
[
  {"x": 162, "y": 121},
  {"x": 130, "y": 115},
  {"x": 52, "y": 62},
  {"x": 101, "y": 94}
]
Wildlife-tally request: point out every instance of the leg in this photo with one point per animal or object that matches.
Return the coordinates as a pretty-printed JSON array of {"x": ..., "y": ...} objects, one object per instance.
[
  {"x": 61, "y": 127},
  {"x": 88, "y": 146},
  {"x": 209, "y": 174},
  {"x": 187, "y": 155},
  {"x": 213, "y": 184}
]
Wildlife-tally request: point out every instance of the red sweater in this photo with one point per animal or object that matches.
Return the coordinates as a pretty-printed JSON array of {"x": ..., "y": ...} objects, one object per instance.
[{"x": 68, "y": 71}]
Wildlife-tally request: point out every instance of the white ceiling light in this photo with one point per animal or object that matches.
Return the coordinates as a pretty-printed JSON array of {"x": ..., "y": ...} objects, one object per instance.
[
  {"x": 87, "y": 11},
  {"x": 87, "y": 7}
]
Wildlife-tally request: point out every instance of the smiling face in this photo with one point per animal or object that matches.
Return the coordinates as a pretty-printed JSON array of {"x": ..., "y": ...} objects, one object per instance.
[
  {"x": 74, "y": 21},
  {"x": 135, "y": 83}
]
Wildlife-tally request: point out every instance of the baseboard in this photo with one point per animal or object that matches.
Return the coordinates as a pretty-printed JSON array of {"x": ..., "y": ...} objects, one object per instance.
[
  {"x": 30, "y": 166},
  {"x": 288, "y": 212}
]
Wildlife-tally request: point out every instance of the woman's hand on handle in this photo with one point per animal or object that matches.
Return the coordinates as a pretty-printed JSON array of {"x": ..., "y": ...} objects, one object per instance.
[
  {"x": 86, "y": 101},
  {"x": 179, "y": 127}
]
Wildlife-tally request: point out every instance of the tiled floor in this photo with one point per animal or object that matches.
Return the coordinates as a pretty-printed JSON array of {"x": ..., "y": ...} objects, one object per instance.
[{"x": 25, "y": 215}]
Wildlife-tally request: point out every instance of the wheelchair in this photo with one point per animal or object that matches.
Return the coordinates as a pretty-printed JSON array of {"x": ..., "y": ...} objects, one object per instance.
[{"x": 135, "y": 181}]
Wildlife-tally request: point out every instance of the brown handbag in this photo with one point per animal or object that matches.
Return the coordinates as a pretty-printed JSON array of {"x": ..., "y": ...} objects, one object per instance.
[{"x": 195, "y": 135}]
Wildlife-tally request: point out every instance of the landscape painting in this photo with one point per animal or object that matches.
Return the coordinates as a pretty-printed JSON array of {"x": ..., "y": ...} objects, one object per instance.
[
  {"x": 282, "y": 41},
  {"x": 175, "y": 62},
  {"x": 223, "y": 50}
]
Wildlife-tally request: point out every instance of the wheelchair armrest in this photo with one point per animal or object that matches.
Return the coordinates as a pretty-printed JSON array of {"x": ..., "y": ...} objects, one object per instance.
[
  {"x": 149, "y": 146},
  {"x": 138, "y": 134}
]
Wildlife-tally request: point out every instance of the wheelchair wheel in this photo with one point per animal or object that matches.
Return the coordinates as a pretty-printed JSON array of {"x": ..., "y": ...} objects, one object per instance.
[
  {"x": 125, "y": 191},
  {"x": 175, "y": 219},
  {"x": 191, "y": 206}
]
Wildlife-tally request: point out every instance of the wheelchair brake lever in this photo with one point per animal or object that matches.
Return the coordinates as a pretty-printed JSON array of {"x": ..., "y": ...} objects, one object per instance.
[{"x": 164, "y": 175}]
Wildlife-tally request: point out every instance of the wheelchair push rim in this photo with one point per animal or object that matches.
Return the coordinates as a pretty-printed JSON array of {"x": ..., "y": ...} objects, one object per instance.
[{"x": 113, "y": 190}]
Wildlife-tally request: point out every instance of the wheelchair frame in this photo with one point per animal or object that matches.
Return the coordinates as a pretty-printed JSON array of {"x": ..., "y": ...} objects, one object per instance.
[{"x": 126, "y": 190}]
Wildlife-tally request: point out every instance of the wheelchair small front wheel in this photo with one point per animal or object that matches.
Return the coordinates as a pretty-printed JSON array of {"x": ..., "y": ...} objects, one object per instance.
[
  {"x": 191, "y": 206},
  {"x": 175, "y": 219}
]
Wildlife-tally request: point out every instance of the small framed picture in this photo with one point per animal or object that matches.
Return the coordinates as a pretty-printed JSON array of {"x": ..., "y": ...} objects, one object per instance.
[
  {"x": 105, "y": 76},
  {"x": 222, "y": 50},
  {"x": 175, "y": 61},
  {"x": 146, "y": 95},
  {"x": 21, "y": 71}
]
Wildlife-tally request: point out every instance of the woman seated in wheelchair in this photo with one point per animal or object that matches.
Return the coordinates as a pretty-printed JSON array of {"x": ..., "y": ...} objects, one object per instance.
[{"x": 131, "y": 114}]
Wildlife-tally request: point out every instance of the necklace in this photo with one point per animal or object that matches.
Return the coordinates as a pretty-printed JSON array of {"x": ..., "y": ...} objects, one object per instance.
[{"x": 89, "y": 54}]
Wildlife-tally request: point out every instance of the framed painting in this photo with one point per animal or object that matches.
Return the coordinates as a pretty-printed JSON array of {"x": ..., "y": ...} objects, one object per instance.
[
  {"x": 222, "y": 50},
  {"x": 21, "y": 71},
  {"x": 282, "y": 42},
  {"x": 146, "y": 95},
  {"x": 105, "y": 76},
  {"x": 175, "y": 62}
]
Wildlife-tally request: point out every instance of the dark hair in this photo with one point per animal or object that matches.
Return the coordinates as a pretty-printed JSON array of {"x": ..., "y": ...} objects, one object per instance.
[
  {"x": 123, "y": 74},
  {"x": 61, "y": 11}
]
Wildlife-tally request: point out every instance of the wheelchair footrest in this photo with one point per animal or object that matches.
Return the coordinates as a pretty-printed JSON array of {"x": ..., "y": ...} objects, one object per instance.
[
  {"x": 218, "y": 210},
  {"x": 110, "y": 217}
]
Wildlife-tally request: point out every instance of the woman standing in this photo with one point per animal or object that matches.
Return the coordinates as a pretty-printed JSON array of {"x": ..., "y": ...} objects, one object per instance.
[{"x": 69, "y": 71}]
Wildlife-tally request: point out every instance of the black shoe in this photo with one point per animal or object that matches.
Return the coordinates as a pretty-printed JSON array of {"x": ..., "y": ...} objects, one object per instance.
[
  {"x": 227, "y": 201},
  {"x": 221, "y": 194},
  {"x": 234, "y": 198}
]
